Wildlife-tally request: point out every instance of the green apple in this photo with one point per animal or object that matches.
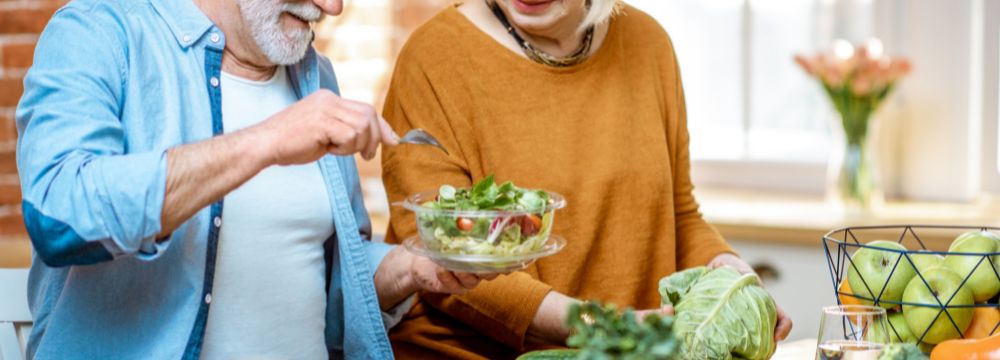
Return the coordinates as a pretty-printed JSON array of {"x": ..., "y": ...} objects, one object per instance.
[
  {"x": 944, "y": 284},
  {"x": 983, "y": 282},
  {"x": 897, "y": 331},
  {"x": 925, "y": 261},
  {"x": 874, "y": 267}
]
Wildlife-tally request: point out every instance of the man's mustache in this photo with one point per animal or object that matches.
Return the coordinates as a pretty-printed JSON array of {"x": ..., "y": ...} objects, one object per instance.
[{"x": 306, "y": 11}]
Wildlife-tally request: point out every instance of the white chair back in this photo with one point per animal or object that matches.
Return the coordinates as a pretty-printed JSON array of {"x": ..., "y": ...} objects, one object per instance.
[{"x": 15, "y": 319}]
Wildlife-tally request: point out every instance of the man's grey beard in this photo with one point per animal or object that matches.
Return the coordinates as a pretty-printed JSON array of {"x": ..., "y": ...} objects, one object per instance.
[{"x": 280, "y": 46}]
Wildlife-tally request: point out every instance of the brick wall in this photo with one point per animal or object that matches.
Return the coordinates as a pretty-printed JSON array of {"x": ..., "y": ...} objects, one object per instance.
[{"x": 20, "y": 23}]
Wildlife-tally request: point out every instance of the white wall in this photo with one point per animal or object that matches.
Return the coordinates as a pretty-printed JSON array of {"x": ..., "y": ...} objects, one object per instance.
[{"x": 939, "y": 125}]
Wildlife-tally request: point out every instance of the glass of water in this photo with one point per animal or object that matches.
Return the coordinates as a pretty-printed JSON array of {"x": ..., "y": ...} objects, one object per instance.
[{"x": 852, "y": 332}]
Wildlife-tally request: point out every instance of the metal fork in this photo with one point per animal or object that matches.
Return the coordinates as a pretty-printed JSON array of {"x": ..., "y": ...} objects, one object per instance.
[{"x": 421, "y": 137}]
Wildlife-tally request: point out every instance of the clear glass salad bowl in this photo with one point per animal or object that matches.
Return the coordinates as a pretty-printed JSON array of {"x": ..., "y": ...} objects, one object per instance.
[{"x": 483, "y": 240}]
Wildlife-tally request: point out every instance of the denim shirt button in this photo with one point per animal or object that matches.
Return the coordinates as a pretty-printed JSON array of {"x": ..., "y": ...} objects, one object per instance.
[
  {"x": 186, "y": 38},
  {"x": 218, "y": 220},
  {"x": 215, "y": 37},
  {"x": 208, "y": 298},
  {"x": 214, "y": 81}
]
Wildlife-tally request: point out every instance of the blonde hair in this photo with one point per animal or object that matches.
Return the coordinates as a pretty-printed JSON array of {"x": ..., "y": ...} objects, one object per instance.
[{"x": 600, "y": 11}]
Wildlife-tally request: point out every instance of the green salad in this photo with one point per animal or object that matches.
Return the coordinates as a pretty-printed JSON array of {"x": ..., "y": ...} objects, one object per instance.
[{"x": 458, "y": 229}]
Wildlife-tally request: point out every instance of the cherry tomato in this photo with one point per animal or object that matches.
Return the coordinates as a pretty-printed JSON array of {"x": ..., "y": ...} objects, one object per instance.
[
  {"x": 464, "y": 224},
  {"x": 530, "y": 224}
]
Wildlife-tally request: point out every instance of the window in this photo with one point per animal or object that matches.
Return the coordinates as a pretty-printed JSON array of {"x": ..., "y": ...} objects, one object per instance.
[{"x": 747, "y": 100}]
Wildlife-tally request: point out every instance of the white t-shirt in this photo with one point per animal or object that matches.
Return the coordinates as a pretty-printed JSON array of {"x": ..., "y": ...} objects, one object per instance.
[{"x": 269, "y": 296}]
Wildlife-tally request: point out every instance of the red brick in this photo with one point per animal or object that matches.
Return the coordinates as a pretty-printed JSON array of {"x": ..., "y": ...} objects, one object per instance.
[
  {"x": 27, "y": 20},
  {"x": 11, "y": 222},
  {"x": 10, "y": 191},
  {"x": 8, "y": 163},
  {"x": 10, "y": 90},
  {"x": 8, "y": 129},
  {"x": 18, "y": 55}
]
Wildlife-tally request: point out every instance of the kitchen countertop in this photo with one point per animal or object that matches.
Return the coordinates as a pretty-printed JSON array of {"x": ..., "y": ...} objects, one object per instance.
[
  {"x": 796, "y": 219},
  {"x": 796, "y": 350}
]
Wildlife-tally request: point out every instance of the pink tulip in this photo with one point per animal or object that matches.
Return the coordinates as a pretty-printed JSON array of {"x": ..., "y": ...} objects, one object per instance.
[
  {"x": 861, "y": 86},
  {"x": 809, "y": 65}
]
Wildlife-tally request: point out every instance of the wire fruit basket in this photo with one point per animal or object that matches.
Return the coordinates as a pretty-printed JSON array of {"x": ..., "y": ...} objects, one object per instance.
[{"x": 936, "y": 285}]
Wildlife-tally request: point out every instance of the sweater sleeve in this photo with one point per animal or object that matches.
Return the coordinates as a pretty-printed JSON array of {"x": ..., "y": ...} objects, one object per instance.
[
  {"x": 502, "y": 308},
  {"x": 697, "y": 241}
]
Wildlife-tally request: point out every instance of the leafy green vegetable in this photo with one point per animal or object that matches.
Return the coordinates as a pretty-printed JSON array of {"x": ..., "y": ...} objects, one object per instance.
[
  {"x": 487, "y": 195},
  {"x": 557, "y": 354},
  {"x": 902, "y": 351},
  {"x": 601, "y": 332},
  {"x": 721, "y": 314},
  {"x": 524, "y": 231}
]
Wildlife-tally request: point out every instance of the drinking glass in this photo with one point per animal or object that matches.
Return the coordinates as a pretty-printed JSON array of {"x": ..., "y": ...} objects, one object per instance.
[{"x": 852, "y": 332}]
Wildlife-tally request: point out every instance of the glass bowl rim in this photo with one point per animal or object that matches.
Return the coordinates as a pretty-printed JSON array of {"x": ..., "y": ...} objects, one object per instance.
[{"x": 414, "y": 203}]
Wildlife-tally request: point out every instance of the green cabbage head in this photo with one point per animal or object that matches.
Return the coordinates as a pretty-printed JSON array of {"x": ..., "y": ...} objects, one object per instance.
[{"x": 720, "y": 314}]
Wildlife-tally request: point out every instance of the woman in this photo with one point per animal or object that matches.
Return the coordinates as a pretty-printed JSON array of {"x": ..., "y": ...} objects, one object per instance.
[{"x": 563, "y": 96}]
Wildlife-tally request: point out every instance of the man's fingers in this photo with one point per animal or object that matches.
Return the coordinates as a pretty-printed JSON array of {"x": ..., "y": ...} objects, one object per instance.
[
  {"x": 487, "y": 276},
  {"x": 341, "y": 137},
  {"x": 449, "y": 282},
  {"x": 358, "y": 116},
  {"x": 374, "y": 136},
  {"x": 468, "y": 281},
  {"x": 389, "y": 136}
]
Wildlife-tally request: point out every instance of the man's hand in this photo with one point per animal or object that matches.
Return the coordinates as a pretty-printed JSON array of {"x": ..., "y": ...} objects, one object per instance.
[
  {"x": 402, "y": 273},
  {"x": 319, "y": 124},
  {"x": 784, "y": 325}
]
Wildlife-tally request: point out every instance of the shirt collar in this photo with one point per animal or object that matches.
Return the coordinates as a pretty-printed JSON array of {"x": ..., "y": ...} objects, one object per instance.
[{"x": 186, "y": 21}]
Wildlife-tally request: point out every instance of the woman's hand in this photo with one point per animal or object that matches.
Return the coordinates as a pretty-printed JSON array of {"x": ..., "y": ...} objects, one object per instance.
[
  {"x": 784, "y": 325},
  {"x": 640, "y": 315},
  {"x": 402, "y": 273}
]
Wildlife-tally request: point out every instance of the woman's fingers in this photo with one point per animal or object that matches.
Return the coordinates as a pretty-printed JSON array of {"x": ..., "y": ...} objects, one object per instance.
[{"x": 783, "y": 327}]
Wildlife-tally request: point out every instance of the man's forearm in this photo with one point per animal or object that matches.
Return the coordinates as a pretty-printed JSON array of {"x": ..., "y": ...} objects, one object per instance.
[
  {"x": 549, "y": 323},
  {"x": 201, "y": 173}
]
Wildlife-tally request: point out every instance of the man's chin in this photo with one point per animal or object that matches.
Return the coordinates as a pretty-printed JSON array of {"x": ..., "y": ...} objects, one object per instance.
[{"x": 288, "y": 56}]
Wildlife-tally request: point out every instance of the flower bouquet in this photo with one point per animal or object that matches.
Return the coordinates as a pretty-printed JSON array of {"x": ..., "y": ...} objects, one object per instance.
[{"x": 857, "y": 80}]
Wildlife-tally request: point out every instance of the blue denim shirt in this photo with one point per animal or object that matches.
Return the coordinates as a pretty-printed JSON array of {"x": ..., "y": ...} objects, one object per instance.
[{"x": 114, "y": 84}]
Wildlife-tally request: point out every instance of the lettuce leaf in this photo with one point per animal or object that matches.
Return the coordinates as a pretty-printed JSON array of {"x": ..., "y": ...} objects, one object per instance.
[{"x": 720, "y": 314}]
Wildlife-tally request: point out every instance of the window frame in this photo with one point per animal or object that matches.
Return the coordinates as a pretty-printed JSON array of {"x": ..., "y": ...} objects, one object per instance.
[{"x": 991, "y": 97}]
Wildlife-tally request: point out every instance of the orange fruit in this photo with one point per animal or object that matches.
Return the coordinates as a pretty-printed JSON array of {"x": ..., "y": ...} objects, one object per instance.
[
  {"x": 984, "y": 319},
  {"x": 845, "y": 288}
]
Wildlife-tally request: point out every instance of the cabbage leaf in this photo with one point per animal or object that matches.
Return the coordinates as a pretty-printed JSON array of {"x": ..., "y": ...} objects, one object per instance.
[{"x": 720, "y": 314}]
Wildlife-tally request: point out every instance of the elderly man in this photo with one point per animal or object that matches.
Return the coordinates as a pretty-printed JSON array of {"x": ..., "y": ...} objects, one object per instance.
[{"x": 151, "y": 134}]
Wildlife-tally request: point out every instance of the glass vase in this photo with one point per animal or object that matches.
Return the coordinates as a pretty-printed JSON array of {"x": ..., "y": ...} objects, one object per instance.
[{"x": 853, "y": 178}]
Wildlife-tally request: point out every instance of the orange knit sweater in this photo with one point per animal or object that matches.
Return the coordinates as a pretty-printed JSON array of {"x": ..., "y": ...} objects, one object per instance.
[{"x": 609, "y": 134}]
